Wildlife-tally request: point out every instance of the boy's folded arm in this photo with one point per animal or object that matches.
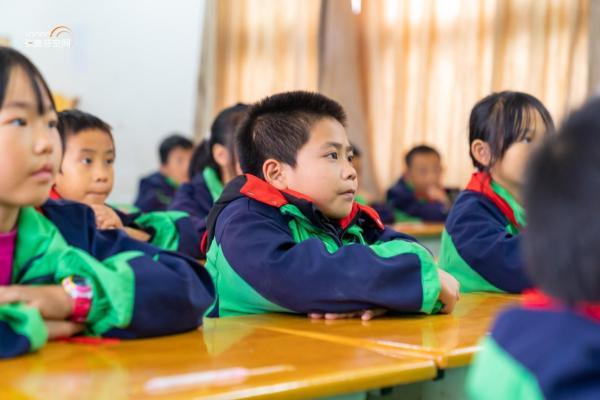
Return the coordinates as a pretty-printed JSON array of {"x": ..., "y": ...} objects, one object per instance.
[
  {"x": 305, "y": 277},
  {"x": 22, "y": 330},
  {"x": 173, "y": 230},
  {"x": 155, "y": 293},
  {"x": 171, "y": 294},
  {"x": 491, "y": 251},
  {"x": 171, "y": 290},
  {"x": 402, "y": 200}
]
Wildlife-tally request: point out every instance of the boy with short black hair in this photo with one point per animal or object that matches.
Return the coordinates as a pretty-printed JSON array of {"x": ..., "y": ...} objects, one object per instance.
[
  {"x": 157, "y": 190},
  {"x": 288, "y": 236},
  {"x": 87, "y": 175},
  {"x": 550, "y": 346},
  {"x": 419, "y": 195}
]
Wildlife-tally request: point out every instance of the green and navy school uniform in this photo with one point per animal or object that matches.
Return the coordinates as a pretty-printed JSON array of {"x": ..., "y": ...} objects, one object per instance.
[
  {"x": 481, "y": 242},
  {"x": 155, "y": 192},
  {"x": 540, "y": 350},
  {"x": 274, "y": 251},
  {"x": 408, "y": 207},
  {"x": 198, "y": 196},
  {"x": 168, "y": 230},
  {"x": 139, "y": 290}
]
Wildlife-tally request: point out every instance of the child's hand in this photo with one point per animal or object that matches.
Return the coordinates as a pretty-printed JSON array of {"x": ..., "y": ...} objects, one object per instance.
[
  {"x": 137, "y": 234},
  {"x": 106, "y": 217},
  {"x": 450, "y": 291},
  {"x": 52, "y": 301},
  {"x": 364, "y": 315},
  {"x": 62, "y": 329},
  {"x": 436, "y": 193}
]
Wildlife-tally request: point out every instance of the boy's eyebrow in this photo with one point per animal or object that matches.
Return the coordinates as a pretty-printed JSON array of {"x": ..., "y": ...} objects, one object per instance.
[{"x": 338, "y": 146}]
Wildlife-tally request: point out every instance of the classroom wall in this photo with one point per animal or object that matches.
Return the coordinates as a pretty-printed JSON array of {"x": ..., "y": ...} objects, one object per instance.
[{"x": 133, "y": 63}]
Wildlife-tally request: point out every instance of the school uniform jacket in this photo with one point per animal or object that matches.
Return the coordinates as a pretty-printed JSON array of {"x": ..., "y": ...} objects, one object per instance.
[
  {"x": 197, "y": 197},
  {"x": 273, "y": 251},
  {"x": 541, "y": 350},
  {"x": 408, "y": 207},
  {"x": 139, "y": 290},
  {"x": 155, "y": 193},
  {"x": 168, "y": 230},
  {"x": 481, "y": 242}
]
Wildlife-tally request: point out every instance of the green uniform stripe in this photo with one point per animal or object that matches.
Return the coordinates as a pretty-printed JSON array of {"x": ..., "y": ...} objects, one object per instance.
[{"x": 496, "y": 375}]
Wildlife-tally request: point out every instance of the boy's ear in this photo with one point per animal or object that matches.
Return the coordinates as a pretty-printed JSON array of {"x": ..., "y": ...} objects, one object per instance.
[
  {"x": 481, "y": 152},
  {"x": 274, "y": 173}
]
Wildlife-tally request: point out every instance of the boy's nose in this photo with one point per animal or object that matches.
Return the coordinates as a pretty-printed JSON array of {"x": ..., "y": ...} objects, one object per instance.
[{"x": 350, "y": 172}]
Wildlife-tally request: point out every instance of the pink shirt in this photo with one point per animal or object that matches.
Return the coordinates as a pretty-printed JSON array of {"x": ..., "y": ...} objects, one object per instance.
[{"x": 7, "y": 251}]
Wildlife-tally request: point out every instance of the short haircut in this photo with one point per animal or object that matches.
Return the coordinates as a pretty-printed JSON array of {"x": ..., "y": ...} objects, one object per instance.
[
  {"x": 562, "y": 199},
  {"x": 419, "y": 150},
  {"x": 171, "y": 143},
  {"x": 72, "y": 122},
  {"x": 502, "y": 119},
  {"x": 11, "y": 59},
  {"x": 278, "y": 126}
]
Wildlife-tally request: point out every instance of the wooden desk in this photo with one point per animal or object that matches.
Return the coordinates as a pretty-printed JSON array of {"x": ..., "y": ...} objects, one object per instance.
[
  {"x": 448, "y": 340},
  {"x": 420, "y": 229},
  {"x": 280, "y": 364}
]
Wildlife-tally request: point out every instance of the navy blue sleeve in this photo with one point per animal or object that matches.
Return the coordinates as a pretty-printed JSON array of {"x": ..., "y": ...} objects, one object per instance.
[
  {"x": 11, "y": 343},
  {"x": 193, "y": 198},
  {"x": 404, "y": 200},
  {"x": 478, "y": 231},
  {"x": 304, "y": 277},
  {"x": 152, "y": 196},
  {"x": 190, "y": 229},
  {"x": 172, "y": 291}
]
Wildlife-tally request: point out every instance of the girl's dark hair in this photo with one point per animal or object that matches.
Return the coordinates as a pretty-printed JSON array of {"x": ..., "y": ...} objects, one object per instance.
[
  {"x": 222, "y": 132},
  {"x": 502, "y": 119},
  {"x": 11, "y": 58}
]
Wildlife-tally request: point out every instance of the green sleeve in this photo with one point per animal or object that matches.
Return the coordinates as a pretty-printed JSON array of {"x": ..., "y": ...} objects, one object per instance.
[
  {"x": 430, "y": 280},
  {"x": 112, "y": 281},
  {"x": 26, "y": 321},
  {"x": 494, "y": 374},
  {"x": 163, "y": 225}
]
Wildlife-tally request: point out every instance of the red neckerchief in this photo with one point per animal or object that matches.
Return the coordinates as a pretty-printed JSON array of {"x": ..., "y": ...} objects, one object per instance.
[
  {"x": 481, "y": 183},
  {"x": 536, "y": 299},
  {"x": 54, "y": 194}
]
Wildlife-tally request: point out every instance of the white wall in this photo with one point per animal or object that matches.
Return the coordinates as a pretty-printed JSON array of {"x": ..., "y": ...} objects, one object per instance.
[{"x": 133, "y": 63}]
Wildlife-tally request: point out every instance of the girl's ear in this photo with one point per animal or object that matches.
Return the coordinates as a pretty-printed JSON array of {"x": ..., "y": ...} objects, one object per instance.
[
  {"x": 274, "y": 173},
  {"x": 221, "y": 155},
  {"x": 482, "y": 152}
]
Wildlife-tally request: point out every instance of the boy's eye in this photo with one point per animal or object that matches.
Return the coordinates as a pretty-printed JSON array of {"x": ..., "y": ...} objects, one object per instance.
[
  {"x": 86, "y": 161},
  {"x": 350, "y": 157},
  {"x": 333, "y": 155},
  {"x": 52, "y": 124},
  {"x": 110, "y": 162},
  {"x": 18, "y": 122}
]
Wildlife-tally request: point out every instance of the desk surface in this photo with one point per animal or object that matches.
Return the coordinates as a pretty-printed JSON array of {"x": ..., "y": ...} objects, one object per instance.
[
  {"x": 420, "y": 229},
  {"x": 227, "y": 359},
  {"x": 448, "y": 340}
]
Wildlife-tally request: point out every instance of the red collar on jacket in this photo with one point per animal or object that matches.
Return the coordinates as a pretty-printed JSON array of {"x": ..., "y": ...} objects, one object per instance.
[
  {"x": 259, "y": 190},
  {"x": 536, "y": 299},
  {"x": 481, "y": 183}
]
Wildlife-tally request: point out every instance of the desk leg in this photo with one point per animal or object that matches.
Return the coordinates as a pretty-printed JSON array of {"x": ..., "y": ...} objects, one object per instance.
[{"x": 450, "y": 386}]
